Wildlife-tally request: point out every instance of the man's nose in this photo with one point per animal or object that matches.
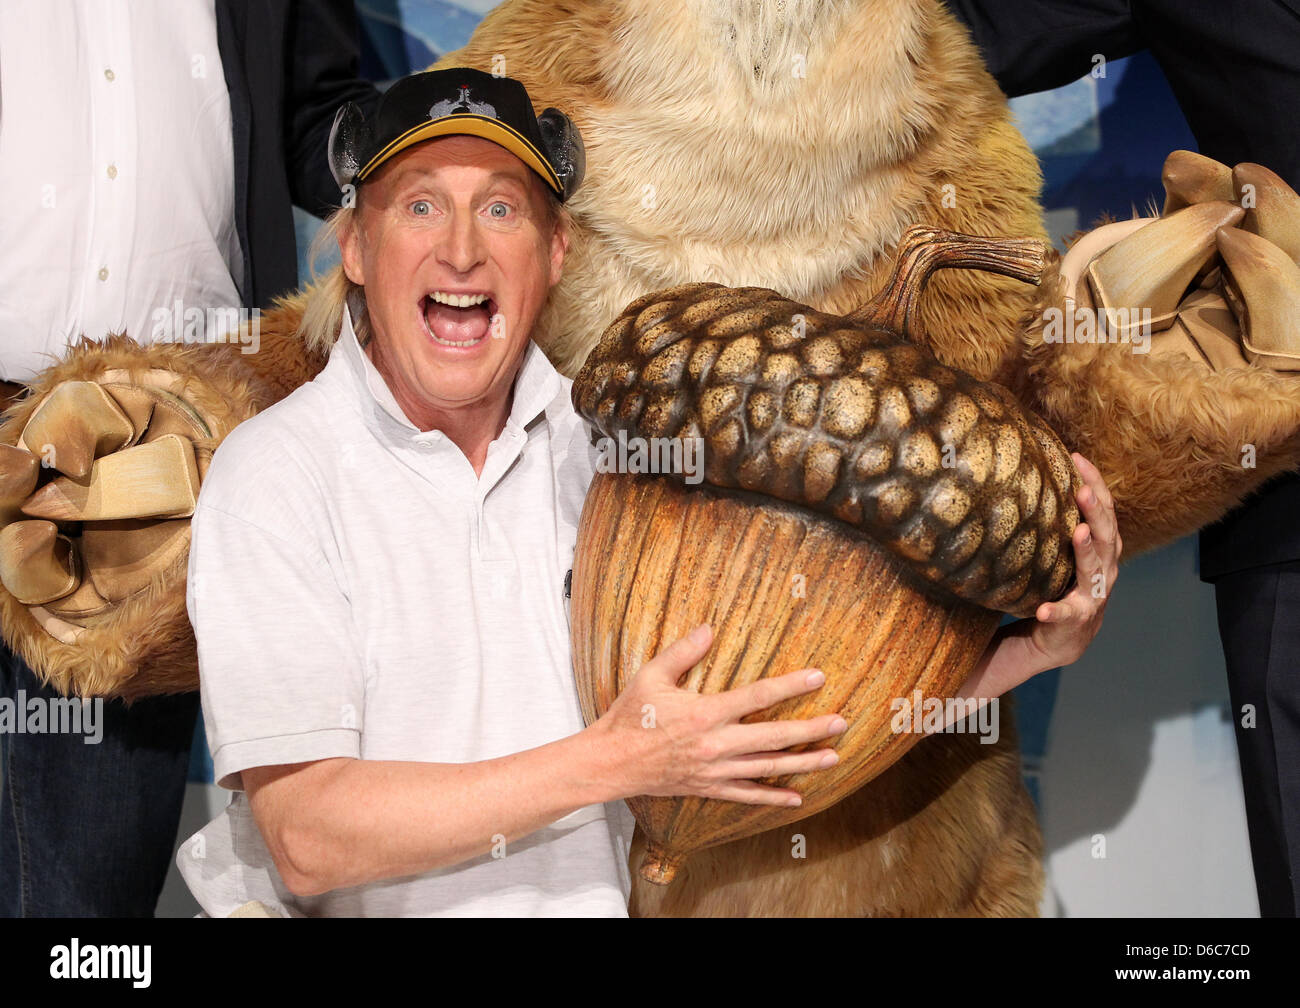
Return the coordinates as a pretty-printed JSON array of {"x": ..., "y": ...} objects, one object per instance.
[{"x": 464, "y": 248}]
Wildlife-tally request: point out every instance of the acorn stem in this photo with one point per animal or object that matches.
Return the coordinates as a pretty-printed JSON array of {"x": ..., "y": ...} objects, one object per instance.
[
  {"x": 658, "y": 866},
  {"x": 923, "y": 250}
]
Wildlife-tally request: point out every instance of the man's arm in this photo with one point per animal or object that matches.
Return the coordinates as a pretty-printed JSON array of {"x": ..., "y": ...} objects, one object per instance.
[{"x": 335, "y": 823}]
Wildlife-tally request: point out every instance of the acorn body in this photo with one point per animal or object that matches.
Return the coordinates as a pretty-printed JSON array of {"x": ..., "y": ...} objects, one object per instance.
[{"x": 854, "y": 506}]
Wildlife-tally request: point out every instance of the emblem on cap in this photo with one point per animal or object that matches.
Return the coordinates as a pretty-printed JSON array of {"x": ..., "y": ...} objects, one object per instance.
[{"x": 462, "y": 104}]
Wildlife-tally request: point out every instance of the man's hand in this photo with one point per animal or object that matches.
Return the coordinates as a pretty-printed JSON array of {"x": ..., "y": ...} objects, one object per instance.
[
  {"x": 1062, "y": 630},
  {"x": 673, "y": 741}
]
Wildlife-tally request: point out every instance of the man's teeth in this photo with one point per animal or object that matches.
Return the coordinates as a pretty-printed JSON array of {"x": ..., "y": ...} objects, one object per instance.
[
  {"x": 458, "y": 300},
  {"x": 455, "y": 343}
]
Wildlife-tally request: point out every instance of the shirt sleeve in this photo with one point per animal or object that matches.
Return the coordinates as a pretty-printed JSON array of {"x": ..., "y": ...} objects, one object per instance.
[{"x": 279, "y": 671}]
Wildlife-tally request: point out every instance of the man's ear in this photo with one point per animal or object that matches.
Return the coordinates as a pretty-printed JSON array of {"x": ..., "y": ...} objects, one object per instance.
[
  {"x": 559, "y": 247},
  {"x": 350, "y": 248}
]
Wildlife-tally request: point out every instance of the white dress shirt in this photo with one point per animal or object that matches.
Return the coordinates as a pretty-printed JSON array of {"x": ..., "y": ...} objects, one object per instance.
[{"x": 117, "y": 171}]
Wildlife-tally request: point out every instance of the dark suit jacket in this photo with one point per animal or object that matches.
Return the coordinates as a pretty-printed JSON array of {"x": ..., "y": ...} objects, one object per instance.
[
  {"x": 289, "y": 65},
  {"x": 1235, "y": 69}
]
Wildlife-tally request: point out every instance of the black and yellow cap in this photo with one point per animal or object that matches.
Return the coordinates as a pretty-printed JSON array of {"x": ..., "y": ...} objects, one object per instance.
[{"x": 457, "y": 102}]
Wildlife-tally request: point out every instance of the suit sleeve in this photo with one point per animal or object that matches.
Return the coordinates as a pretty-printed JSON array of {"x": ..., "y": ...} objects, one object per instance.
[
  {"x": 320, "y": 75},
  {"x": 1235, "y": 70},
  {"x": 1037, "y": 45}
]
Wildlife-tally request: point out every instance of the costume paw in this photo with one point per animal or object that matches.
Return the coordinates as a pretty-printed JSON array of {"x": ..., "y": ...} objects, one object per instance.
[
  {"x": 1167, "y": 349},
  {"x": 100, "y": 469}
]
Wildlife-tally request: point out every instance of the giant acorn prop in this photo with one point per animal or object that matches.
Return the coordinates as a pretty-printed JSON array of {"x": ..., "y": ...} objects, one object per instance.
[{"x": 866, "y": 510}]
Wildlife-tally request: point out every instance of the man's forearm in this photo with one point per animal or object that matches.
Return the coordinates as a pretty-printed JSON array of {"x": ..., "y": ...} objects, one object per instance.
[
  {"x": 1009, "y": 660},
  {"x": 345, "y": 822}
]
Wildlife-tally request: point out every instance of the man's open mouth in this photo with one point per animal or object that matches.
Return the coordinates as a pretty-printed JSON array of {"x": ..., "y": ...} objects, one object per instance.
[{"x": 459, "y": 319}]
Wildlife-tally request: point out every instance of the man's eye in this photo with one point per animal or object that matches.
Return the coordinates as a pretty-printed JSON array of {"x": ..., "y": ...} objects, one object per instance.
[
  {"x": 499, "y": 209},
  {"x": 421, "y": 208}
]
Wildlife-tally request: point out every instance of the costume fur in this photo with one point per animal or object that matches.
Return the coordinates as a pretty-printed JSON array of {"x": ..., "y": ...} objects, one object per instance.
[
  {"x": 710, "y": 158},
  {"x": 147, "y": 647},
  {"x": 789, "y": 145}
]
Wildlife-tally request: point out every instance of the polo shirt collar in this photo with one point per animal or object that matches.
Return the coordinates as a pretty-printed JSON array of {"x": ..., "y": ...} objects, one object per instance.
[{"x": 538, "y": 388}]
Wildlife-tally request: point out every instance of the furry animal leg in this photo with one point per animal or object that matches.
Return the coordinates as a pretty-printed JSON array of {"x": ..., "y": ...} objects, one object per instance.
[{"x": 141, "y": 644}]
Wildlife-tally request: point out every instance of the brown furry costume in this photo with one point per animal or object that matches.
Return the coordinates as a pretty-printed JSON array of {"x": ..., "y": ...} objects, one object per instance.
[
  {"x": 789, "y": 146},
  {"x": 147, "y": 647}
]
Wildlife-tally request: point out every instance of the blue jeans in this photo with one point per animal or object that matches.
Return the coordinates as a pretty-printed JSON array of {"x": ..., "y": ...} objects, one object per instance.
[{"x": 90, "y": 830}]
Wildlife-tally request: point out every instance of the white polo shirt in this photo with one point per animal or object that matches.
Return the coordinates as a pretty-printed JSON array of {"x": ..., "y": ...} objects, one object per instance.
[{"x": 356, "y": 590}]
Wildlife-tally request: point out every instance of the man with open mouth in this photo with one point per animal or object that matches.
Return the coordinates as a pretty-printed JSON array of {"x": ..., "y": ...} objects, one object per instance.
[{"x": 378, "y": 568}]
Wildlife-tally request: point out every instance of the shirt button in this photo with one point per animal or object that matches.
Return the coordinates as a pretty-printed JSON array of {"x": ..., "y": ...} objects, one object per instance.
[
  {"x": 103, "y": 273},
  {"x": 109, "y": 75},
  {"x": 112, "y": 171}
]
